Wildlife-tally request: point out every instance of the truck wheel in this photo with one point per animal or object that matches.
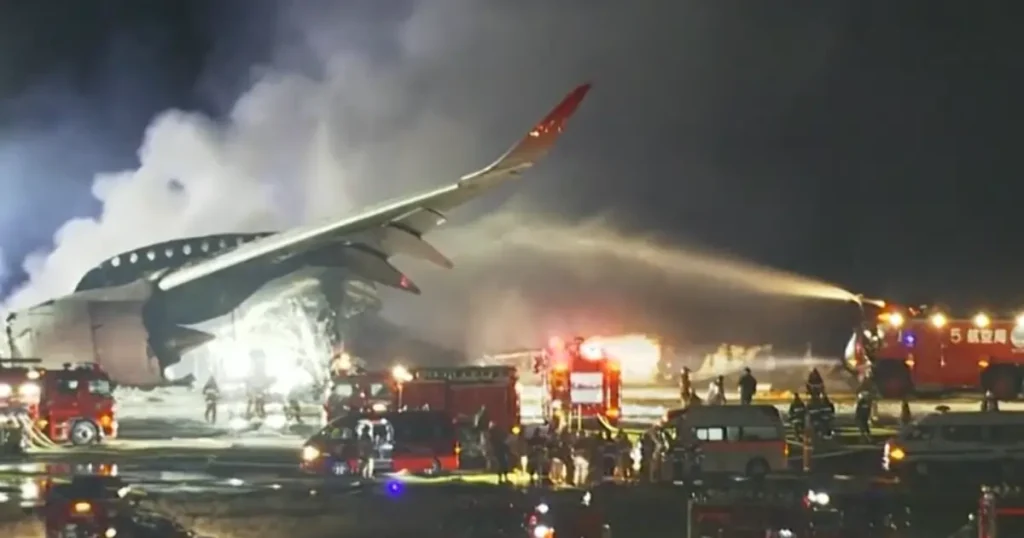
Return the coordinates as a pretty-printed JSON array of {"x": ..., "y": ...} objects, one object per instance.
[
  {"x": 757, "y": 467},
  {"x": 84, "y": 432},
  {"x": 1003, "y": 383}
]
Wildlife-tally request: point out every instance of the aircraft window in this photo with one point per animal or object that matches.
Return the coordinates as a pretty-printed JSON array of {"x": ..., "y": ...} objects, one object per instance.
[
  {"x": 151, "y": 255},
  {"x": 241, "y": 240},
  {"x": 186, "y": 250},
  {"x": 223, "y": 243},
  {"x": 169, "y": 252},
  {"x": 205, "y": 247},
  {"x": 134, "y": 257},
  {"x": 115, "y": 261}
]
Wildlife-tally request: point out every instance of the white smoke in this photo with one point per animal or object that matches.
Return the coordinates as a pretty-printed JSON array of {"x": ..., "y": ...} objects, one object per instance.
[{"x": 451, "y": 85}]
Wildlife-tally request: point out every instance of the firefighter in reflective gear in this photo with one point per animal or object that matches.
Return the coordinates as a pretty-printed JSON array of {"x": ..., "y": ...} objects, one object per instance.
[
  {"x": 821, "y": 413},
  {"x": 747, "y": 386},
  {"x": 366, "y": 448},
  {"x": 293, "y": 408},
  {"x": 862, "y": 415},
  {"x": 685, "y": 387},
  {"x": 716, "y": 392},
  {"x": 12, "y": 437},
  {"x": 797, "y": 415},
  {"x": 211, "y": 394},
  {"x": 989, "y": 402},
  {"x": 815, "y": 384}
]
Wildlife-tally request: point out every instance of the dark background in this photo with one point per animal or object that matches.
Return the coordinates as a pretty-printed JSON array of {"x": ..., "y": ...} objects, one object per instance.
[{"x": 873, "y": 144}]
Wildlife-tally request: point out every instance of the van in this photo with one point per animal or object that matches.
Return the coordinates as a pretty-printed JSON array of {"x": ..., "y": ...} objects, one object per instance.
[
  {"x": 738, "y": 439},
  {"x": 941, "y": 442}
]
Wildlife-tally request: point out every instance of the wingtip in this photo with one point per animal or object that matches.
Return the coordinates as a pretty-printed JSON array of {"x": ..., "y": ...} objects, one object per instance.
[{"x": 568, "y": 106}]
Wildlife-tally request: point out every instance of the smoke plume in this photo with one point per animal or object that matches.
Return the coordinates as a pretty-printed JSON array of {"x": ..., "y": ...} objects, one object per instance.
[{"x": 357, "y": 107}]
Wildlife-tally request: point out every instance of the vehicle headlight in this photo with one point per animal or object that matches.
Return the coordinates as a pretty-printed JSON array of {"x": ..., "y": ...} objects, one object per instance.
[
  {"x": 30, "y": 390},
  {"x": 111, "y": 533},
  {"x": 819, "y": 498},
  {"x": 543, "y": 531},
  {"x": 310, "y": 453},
  {"x": 5, "y": 390}
]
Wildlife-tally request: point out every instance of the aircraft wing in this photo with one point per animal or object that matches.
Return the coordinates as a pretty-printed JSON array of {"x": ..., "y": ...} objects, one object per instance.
[{"x": 373, "y": 235}]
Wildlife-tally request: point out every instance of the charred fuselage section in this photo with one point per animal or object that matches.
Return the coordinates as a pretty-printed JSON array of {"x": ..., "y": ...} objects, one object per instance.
[{"x": 119, "y": 317}]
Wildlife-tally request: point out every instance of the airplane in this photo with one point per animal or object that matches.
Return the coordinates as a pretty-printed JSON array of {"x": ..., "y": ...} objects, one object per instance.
[{"x": 131, "y": 313}]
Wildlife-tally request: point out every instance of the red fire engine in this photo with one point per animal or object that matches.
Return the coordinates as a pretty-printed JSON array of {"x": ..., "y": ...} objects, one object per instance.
[
  {"x": 74, "y": 404},
  {"x": 922, "y": 350},
  {"x": 1000, "y": 512},
  {"x": 461, "y": 392},
  {"x": 580, "y": 381}
]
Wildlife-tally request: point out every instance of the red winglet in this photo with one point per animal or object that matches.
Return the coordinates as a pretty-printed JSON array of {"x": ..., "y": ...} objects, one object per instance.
[{"x": 539, "y": 140}]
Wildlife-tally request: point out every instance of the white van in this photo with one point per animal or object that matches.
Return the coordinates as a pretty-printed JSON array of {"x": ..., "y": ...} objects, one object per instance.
[
  {"x": 741, "y": 439},
  {"x": 944, "y": 440}
]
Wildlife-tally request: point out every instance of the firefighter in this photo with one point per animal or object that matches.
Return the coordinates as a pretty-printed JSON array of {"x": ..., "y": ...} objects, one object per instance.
[
  {"x": 905, "y": 416},
  {"x": 862, "y": 415},
  {"x": 797, "y": 415},
  {"x": 624, "y": 450},
  {"x": 747, "y": 386},
  {"x": 293, "y": 408},
  {"x": 815, "y": 384},
  {"x": 716, "y": 392},
  {"x": 685, "y": 386},
  {"x": 648, "y": 444},
  {"x": 366, "y": 447},
  {"x": 211, "y": 394},
  {"x": 500, "y": 452},
  {"x": 12, "y": 435},
  {"x": 989, "y": 402},
  {"x": 818, "y": 411}
]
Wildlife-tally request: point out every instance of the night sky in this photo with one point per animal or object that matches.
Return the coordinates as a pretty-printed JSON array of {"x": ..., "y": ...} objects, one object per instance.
[{"x": 872, "y": 144}]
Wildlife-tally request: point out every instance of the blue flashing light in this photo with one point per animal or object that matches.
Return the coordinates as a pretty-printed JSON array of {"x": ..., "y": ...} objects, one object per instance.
[
  {"x": 394, "y": 488},
  {"x": 909, "y": 339}
]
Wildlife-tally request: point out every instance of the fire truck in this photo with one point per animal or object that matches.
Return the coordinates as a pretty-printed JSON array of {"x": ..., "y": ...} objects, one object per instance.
[
  {"x": 1000, "y": 513},
  {"x": 580, "y": 381},
  {"x": 924, "y": 350},
  {"x": 74, "y": 404},
  {"x": 462, "y": 392}
]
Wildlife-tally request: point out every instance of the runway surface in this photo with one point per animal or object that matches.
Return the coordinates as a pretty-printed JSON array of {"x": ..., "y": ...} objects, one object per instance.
[{"x": 211, "y": 474}]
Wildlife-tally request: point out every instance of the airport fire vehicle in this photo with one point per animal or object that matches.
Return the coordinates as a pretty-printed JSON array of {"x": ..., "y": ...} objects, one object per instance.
[
  {"x": 74, "y": 404},
  {"x": 470, "y": 392},
  {"x": 580, "y": 381},
  {"x": 781, "y": 508},
  {"x": 1000, "y": 513},
  {"x": 927, "y": 351}
]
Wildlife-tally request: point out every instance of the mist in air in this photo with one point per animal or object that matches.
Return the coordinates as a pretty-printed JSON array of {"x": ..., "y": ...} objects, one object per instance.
[{"x": 354, "y": 109}]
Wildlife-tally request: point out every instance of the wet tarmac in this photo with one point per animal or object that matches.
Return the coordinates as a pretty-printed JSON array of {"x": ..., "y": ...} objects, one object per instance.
[{"x": 216, "y": 476}]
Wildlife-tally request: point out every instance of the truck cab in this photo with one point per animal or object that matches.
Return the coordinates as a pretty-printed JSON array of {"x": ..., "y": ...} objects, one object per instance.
[
  {"x": 580, "y": 381},
  {"x": 74, "y": 404},
  {"x": 924, "y": 350}
]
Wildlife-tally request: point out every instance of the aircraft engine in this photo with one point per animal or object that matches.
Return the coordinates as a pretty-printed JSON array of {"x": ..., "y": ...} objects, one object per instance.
[{"x": 107, "y": 326}]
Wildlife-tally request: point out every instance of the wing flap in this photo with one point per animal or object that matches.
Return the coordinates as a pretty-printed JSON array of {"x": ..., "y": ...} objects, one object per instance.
[
  {"x": 418, "y": 212},
  {"x": 373, "y": 266},
  {"x": 399, "y": 240}
]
